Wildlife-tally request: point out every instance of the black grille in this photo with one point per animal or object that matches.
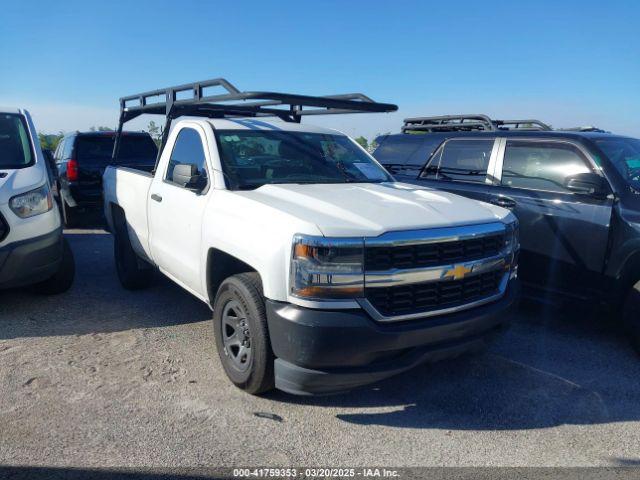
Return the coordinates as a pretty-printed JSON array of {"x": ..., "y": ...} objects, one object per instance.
[
  {"x": 423, "y": 297},
  {"x": 4, "y": 228},
  {"x": 432, "y": 254}
]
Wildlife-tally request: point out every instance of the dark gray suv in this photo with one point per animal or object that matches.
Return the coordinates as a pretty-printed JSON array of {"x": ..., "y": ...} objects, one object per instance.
[{"x": 575, "y": 192}]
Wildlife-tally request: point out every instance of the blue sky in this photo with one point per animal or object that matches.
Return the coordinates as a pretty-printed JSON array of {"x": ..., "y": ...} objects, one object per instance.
[{"x": 567, "y": 63}]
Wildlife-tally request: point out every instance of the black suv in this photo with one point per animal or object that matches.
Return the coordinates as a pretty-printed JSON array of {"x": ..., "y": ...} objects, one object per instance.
[
  {"x": 82, "y": 157},
  {"x": 576, "y": 194}
]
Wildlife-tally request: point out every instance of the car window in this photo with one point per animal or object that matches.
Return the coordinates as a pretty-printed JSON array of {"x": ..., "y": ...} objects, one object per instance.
[
  {"x": 408, "y": 150},
  {"x": 461, "y": 160},
  {"x": 188, "y": 149},
  {"x": 67, "y": 152},
  {"x": 15, "y": 145},
  {"x": 397, "y": 149},
  {"x": 422, "y": 154},
  {"x": 541, "y": 165},
  {"x": 58, "y": 152},
  {"x": 624, "y": 153}
]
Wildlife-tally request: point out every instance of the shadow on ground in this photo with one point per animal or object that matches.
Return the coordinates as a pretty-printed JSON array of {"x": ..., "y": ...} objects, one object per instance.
[
  {"x": 96, "y": 303},
  {"x": 550, "y": 369}
]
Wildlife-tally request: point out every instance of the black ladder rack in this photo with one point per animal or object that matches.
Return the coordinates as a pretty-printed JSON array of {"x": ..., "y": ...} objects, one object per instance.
[
  {"x": 192, "y": 99},
  {"x": 235, "y": 103},
  {"x": 467, "y": 123}
]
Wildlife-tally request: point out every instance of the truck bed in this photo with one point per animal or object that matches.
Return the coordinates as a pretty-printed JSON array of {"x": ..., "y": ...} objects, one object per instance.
[{"x": 128, "y": 188}]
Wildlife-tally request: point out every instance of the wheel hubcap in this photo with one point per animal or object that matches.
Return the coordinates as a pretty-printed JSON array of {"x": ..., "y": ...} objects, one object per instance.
[{"x": 236, "y": 336}]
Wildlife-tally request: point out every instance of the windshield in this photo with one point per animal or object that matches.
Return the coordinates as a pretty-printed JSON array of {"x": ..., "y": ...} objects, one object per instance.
[
  {"x": 624, "y": 153},
  {"x": 15, "y": 147},
  {"x": 252, "y": 158}
]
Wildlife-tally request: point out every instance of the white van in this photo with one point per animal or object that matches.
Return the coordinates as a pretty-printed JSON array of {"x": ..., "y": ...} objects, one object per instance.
[{"x": 32, "y": 248}]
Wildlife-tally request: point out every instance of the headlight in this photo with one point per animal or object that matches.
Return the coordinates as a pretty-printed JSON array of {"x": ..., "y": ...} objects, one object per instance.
[
  {"x": 512, "y": 237},
  {"x": 32, "y": 203},
  {"x": 512, "y": 246},
  {"x": 327, "y": 268}
]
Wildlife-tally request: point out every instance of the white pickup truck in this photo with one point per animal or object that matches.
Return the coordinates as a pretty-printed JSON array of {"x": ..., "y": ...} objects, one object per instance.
[{"x": 323, "y": 273}]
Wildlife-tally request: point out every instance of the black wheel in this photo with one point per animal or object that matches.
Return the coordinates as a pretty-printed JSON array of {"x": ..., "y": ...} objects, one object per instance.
[
  {"x": 133, "y": 272},
  {"x": 631, "y": 314},
  {"x": 242, "y": 338},
  {"x": 69, "y": 214},
  {"x": 62, "y": 280}
]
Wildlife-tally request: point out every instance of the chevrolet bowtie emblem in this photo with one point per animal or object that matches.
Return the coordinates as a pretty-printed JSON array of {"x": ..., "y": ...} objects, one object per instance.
[{"x": 457, "y": 273}]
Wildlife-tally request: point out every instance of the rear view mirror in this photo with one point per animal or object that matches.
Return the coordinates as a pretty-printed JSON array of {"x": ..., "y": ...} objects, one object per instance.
[
  {"x": 187, "y": 175},
  {"x": 587, "y": 184}
]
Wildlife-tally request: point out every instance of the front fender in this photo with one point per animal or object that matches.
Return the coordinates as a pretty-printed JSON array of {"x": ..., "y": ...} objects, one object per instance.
[{"x": 255, "y": 234}]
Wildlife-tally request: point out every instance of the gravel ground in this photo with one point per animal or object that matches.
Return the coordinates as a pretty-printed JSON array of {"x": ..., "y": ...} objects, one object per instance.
[{"x": 102, "y": 377}]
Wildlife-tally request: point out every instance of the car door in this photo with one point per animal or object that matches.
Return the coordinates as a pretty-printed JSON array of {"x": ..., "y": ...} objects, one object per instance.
[
  {"x": 563, "y": 234},
  {"x": 176, "y": 211},
  {"x": 462, "y": 166}
]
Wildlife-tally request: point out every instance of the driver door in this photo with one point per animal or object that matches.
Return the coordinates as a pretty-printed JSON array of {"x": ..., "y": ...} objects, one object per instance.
[{"x": 176, "y": 211}]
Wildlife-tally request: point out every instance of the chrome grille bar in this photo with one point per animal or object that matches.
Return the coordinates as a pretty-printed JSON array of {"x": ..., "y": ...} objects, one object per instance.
[
  {"x": 454, "y": 283},
  {"x": 394, "y": 277}
]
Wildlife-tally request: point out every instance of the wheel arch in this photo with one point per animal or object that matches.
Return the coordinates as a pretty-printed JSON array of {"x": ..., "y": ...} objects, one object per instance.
[
  {"x": 630, "y": 271},
  {"x": 220, "y": 266}
]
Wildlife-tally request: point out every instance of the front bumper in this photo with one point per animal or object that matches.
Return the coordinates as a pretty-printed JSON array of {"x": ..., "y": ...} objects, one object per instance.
[
  {"x": 30, "y": 261},
  {"x": 328, "y": 351}
]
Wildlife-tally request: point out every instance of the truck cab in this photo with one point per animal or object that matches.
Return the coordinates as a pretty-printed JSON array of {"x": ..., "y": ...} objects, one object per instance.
[
  {"x": 322, "y": 271},
  {"x": 33, "y": 251}
]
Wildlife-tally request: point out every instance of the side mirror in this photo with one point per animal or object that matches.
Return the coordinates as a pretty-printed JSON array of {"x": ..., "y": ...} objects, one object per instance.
[
  {"x": 587, "y": 184},
  {"x": 187, "y": 175}
]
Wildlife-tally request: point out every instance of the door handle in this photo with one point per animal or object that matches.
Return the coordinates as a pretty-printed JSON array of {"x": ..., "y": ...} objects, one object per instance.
[
  {"x": 504, "y": 202},
  {"x": 156, "y": 197}
]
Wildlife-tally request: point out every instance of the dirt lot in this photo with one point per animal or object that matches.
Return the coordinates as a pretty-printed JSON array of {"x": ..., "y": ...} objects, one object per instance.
[{"x": 102, "y": 377}]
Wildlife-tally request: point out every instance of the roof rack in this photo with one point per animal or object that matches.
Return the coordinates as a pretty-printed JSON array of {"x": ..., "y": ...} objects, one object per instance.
[
  {"x": 447, "y": 123},
  {"x": 470, "y": 122},
  {"x": 584, "y": 129},
  {"x": 529, "y": 124},
  {"x": 192, "y": 99}
]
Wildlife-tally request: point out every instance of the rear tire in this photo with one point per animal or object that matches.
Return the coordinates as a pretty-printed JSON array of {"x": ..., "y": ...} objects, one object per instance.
[
  {"x": 242, "y": 337},
  {"x": 62, "y": 280},
  {"x": 133, "y": 272},
  {"x": 631, "y": 314}
]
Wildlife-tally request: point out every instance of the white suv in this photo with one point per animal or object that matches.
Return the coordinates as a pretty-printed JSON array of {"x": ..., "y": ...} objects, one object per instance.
[{"x": 32, "y": 248}]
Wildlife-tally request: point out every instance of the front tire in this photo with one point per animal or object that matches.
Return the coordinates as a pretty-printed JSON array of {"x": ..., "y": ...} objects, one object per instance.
[
  {"x": 242, "y": 338},
  {"x": 631, "y": 314},
  {"x": 62, "y": 280},
  {"x": 133, "y": 272}
]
